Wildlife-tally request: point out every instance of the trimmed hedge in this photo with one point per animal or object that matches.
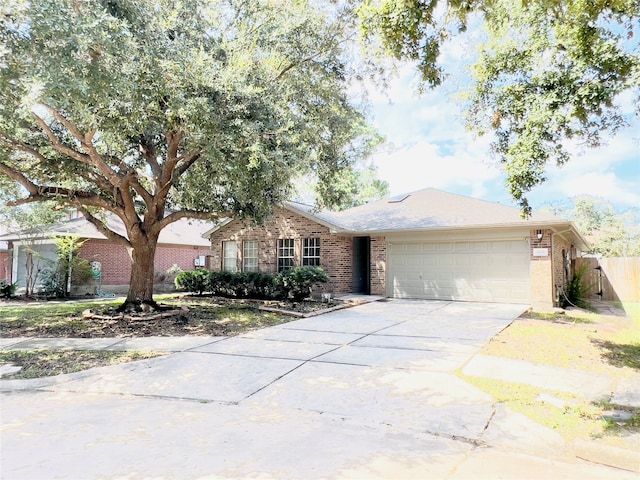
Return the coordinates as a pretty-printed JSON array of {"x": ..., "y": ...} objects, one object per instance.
[
  {"x": 295, "y": 283},
  {"x": 194, "y": 281}
]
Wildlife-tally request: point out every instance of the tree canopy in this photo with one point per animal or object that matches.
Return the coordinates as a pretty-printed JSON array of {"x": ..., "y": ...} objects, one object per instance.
[
  {"x": 548, "y": 71},
  {"x": 155, "y": 111},
  {"x": 610, "y": 233}
]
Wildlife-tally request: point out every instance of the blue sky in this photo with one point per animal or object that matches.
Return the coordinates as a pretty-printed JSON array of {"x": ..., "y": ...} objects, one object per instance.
[{"x": 428, "y": 146}]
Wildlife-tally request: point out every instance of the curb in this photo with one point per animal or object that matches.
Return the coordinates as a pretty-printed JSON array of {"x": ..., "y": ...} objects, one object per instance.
[{"x": 607, "y": 455}]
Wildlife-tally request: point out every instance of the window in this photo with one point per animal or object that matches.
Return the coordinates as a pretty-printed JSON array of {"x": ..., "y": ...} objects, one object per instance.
[
  {"x": 285, "y": 254},
  {"x": 229, "y": 257},
  {"x": 311, "y": 252},
  {"x": 250, "y": 256}
]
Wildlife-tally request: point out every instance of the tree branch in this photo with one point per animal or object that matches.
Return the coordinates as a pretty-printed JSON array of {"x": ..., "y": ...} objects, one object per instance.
[
  {"x": 175, "y": 216},
  {"x": 102, "y": 228},
  {"x": 295, "y": 64},
  {"x": 23, "y": 147},
  {"x": 19, "y": 177},
  {"x": 75, "y": 198},
  {"x": 186, "y": 164},
  {"x": 58, "y": 145}
]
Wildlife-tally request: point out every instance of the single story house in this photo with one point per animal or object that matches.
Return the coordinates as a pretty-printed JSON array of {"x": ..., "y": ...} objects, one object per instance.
[
  {"x": 181, "y": 243},
  {"x": 428, "y": 244}
]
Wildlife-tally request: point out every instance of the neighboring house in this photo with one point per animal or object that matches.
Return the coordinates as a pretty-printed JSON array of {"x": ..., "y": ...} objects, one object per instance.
[
  {"x": 181, "y": 243},
  {"x": 427, "y": 244}
]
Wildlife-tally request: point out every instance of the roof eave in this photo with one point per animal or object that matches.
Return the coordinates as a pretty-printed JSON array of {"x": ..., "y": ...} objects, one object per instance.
[
  {"x": 211, "y": 231},
  {"x": 335, "y": 228},
  {"x": 538, "y": 224}
]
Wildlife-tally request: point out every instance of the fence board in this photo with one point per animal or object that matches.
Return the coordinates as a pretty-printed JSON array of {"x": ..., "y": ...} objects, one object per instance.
[{"x": 620, "y": 278}]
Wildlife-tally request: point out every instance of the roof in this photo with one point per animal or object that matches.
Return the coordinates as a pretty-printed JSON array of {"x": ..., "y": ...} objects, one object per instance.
[
  {"x": 183, "y": 232},
  {"x": 435, "y": 209},
  {"x": 428, "y": 210}
]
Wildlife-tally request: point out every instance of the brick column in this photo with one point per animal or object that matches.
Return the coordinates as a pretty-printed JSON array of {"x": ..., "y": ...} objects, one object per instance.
[{"x": 541, "y": 270}]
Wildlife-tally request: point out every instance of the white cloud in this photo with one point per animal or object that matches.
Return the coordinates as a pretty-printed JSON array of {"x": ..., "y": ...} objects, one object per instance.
[{"x": 428, "y": 146}]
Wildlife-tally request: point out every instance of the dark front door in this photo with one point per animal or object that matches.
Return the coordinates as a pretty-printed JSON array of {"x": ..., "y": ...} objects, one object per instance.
[{"x": 361, "y": 262}]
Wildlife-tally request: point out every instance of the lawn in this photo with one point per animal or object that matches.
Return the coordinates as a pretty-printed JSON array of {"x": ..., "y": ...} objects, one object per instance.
[
  {"x": 204, "y": 316},
  {"x": 46, "y": 363},
  {"x": 577, "y": 339}
]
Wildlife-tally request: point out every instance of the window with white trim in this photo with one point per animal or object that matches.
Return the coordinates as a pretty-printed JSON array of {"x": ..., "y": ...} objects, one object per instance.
[
  {"x": 285, "y": 254},
  {"x": 250, "y": 256},
  {"x": 311, "y": 252},
  {"x": 230, "y": 256}
]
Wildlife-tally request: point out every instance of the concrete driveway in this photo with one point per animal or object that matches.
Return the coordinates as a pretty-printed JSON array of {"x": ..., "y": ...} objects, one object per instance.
[{"x": 366, "y": 392}]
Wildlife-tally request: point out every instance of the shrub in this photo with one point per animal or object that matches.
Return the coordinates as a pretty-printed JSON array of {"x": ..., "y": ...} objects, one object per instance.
[
  {"x": 241, "y": 285},
  {"x": 298, "y": 282},
  {"x": 194, "y": 281},
  {"x": 8, "y": 290},
  {"x": 295, "y": 283},
  {"x": 576, "y": 290}
]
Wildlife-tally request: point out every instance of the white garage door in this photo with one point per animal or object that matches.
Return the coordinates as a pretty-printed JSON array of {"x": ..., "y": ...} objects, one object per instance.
[{"x": 487, "y": 271}]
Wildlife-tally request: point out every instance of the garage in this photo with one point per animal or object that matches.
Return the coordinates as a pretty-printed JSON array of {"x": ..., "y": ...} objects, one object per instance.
[{"x": 481, "y": 271}]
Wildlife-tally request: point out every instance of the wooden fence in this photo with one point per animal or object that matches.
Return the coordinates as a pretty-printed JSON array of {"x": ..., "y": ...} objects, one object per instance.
[{"x": 617, "y": 278}]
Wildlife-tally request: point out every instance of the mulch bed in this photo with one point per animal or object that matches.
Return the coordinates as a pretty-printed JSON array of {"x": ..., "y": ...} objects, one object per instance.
[{"x": 193, "y": 315}]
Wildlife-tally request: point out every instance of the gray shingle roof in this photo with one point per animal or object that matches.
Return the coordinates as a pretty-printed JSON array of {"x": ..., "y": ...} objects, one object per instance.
[{"x": 433, "y": 209}]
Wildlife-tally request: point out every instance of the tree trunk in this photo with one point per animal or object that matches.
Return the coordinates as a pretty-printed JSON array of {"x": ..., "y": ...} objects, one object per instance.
[{"x": 142, "y": 274}]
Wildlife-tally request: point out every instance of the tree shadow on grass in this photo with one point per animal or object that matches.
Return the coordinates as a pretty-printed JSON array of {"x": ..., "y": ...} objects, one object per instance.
[{"x": 620, "y": 354}]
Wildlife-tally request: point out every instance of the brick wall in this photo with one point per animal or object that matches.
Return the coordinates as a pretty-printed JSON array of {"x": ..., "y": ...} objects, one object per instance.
[
  {"x": 547, "y": 271},
  {"x": 540, "y": 267},
  {"x": 560, "y": 246},
  {"x": 336, "y": 252},
  {"x": 116, "y": 263},
  {"x": 378, "y": 266}
]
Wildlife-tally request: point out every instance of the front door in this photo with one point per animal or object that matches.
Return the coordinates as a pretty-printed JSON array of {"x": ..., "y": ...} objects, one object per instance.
[{"x": 361, "y": 265}]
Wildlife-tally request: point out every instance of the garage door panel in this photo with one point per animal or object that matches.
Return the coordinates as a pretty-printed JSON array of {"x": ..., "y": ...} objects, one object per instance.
[{"x": 494, "y": 271}]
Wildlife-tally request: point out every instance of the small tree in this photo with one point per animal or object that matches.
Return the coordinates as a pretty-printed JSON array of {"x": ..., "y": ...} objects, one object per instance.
[{"x": 68, "y": 269}]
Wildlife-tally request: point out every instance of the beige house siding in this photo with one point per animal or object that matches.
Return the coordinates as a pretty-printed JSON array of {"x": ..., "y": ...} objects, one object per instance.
[{"x": 336, "y": 252}]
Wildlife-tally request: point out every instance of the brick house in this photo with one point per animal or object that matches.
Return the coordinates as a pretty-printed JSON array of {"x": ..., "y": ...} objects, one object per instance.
[
  {"x": 427, "y": 244},
  {"x": 181, "y": 243}
]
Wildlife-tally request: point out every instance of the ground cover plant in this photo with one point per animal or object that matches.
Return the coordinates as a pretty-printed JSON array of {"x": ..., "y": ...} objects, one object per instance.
[{"x": 581, "y": 340}]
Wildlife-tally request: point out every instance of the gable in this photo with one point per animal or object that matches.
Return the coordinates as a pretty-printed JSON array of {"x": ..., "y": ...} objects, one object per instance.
[{"x": 284, "y": 223}]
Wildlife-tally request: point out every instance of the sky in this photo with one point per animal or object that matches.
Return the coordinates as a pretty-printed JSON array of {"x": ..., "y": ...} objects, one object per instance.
[{"x": 427, "y": 145}]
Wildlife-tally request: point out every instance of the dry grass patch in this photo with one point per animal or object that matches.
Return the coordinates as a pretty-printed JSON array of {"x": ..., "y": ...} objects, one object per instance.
[
  {"x": 47, "y": 363},
  {"x": 577, "y": 339}
]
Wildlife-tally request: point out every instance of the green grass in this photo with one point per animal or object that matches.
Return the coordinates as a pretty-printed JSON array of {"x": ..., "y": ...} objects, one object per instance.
[
  {"x": 578, "y": 419},
  {"x": 52, "y": 311},
  {"x": 204, "y": 317},
  {"x": 46, "y": 363}
]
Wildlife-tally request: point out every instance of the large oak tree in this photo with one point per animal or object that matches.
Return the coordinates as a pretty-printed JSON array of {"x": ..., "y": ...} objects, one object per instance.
[
  {"x": 159, "y": 110},
  {"x": 547, "y": 73}
]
